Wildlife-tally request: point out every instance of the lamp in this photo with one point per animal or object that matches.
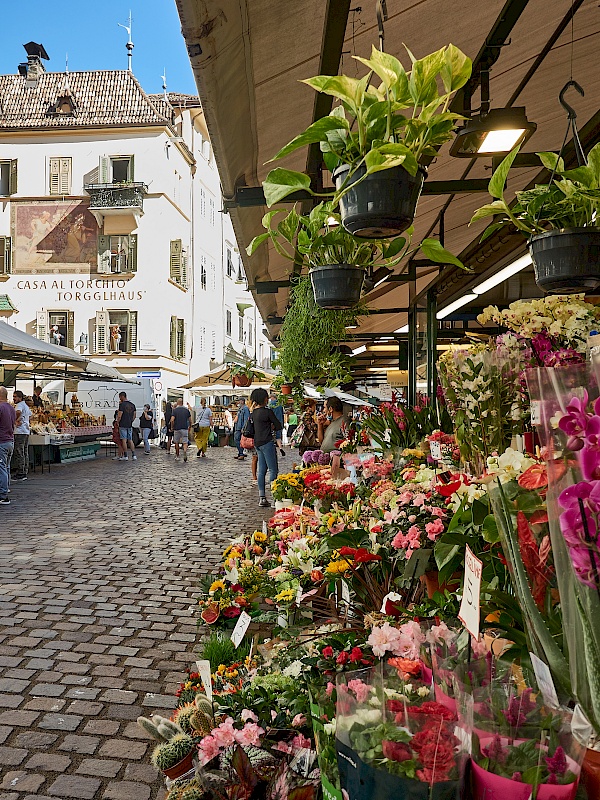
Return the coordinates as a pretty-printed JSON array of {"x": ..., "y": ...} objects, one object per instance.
[
  {"x": 492, "y": 131},
  {"x": 504, "y": 274},
  {"x": 82, "y": 343},
  {"x": 462, "y": 301}
]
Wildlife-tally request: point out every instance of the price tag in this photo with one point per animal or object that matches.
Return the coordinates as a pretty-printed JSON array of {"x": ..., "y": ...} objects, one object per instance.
[
  {"x": 544, "y": 680},
  {"x": 203, "y": 669},
  {"x": 435, "y": 448},
  {"x": 469, "y": 613},
  {"x": 536, "y": 412},
  {"x": 345, "y": 593},
  {"x": 240, "y": 629},
  {"x": 299, "y": 594},
  {"x": 265, "y": 529}
]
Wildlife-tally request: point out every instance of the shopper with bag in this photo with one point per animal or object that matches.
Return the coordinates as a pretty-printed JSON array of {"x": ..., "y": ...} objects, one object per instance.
[
  {"x": 265, "y": 426},
  {"x": 202, "y": 428},
  {"x": 146, "y": 427}
]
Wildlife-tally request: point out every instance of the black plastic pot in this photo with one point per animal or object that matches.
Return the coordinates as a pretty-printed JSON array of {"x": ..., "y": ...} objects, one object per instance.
[
  {"x": 382, "y": 205},
  {"x": 568, "y": 260},
  {"x": 337, "y": 285}
]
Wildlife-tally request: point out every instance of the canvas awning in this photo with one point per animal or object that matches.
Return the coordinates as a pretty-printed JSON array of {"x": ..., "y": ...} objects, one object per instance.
[
  {"x": 221, "y": 376},
  {"x": 16, "y": 345}
]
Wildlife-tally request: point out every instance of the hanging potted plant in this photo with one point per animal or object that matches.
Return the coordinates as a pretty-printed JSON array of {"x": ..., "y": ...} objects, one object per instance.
[
  {"x": 243, "y": 375},
  {"x": 376, "y": 140},
  {"x": 560, "y": 220},
  {"x": 337, "y": 261}
]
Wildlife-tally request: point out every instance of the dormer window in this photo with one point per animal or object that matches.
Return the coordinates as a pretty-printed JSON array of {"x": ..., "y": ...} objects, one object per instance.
[{"x": 64, "y": 107}]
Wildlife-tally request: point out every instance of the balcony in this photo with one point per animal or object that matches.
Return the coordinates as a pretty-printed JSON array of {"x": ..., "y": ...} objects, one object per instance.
[{"x": 116, "y": 200}]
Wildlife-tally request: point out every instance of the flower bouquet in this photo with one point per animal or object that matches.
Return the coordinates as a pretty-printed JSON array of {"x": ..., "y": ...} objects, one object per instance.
[
  {"x": 287, "y": 487},
  {"x": 393, "y": 740}
]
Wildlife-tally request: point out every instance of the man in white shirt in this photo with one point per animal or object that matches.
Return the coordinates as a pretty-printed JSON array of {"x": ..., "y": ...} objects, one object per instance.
[{"x": 20, "y": 458}]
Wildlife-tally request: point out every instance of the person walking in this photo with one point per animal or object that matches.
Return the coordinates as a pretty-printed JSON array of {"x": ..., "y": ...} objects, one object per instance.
[
  {"x": 180, "y": 424},
  {"x": 168, "y": 415},
  {"x": 292, "y": 421},
  {"x": 265, "y": 425},
  {"x": 329, "y": 424},
  {"x": 8, "y": 417},
  {"x": 20, "y": 458},
  {"x": 241, "y": 419},
  {"x": 202, "y": 428},
  {"x": 146, "y": 427},
  {"x": 125, "y": 417},
  {"x": 277, "y": 409}
]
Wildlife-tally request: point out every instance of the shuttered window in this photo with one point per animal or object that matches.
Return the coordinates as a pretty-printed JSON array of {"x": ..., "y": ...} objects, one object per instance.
[
  {"x": 203, "y": 272},
  {"x": 178, "y": 335},
  {"x": 228, "y": 322},
  {"x": 229, "y": 263},
  {"x": 5, "y": 255},
  {"x": 101, "y": 333},
  {"x": 8, "y": 177},
  {"x": 60, "y": 176},
  {"x": 178, "y": 263},
  {"x": 117, "y": 254},
  {"x": 41, "y": 326},
  {"x": 240, "y": 327}
]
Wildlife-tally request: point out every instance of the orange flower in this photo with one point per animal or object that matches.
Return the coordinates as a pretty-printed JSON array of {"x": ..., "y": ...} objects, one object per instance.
[
  {"x": 406, "y": 667},
  {"x": 536, "y": 477}
]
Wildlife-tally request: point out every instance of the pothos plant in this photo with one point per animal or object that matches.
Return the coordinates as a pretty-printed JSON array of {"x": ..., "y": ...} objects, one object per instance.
[
  {"x": 319, "y": 239},
  {"x": 309, "y": 335},
  {"x": 398, "y": 123}
]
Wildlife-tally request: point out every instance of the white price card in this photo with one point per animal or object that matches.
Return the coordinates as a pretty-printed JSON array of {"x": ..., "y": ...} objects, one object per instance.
[
  {"x": 240, "y": 629},
  {"x": 203, "y": 668},
  {"x": 536, "y": 412},
  {"x": 265, "y": 529},
  {"x": 469, "y": 613},
  {"x": 345, "y": 593},
  {"x": 299, "y": 594},
  {"x": 544, "y": 680},
  {"x": 435, "y": 449}
]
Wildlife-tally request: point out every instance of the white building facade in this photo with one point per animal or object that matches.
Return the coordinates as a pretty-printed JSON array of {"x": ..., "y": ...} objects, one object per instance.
[{"x": 112, "y": 235}]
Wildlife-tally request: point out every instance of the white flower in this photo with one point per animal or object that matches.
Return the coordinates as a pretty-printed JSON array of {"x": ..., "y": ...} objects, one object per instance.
[
  {"x": 330, "y": 727},
  {"x": 294, "y": 670},
  {"x": 422, "y": 691}
]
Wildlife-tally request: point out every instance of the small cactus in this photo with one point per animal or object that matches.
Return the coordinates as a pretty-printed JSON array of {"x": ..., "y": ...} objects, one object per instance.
[
  {"x": 202, "y": 703},
  {"x": 182, "y": 717},
  {"x": 147, "y": 725},
  {"x": 201, "y": 722},
  {"x": 167, "y": 754},
  {"x": 186, "y": 790},
  {"x": 166, "y": 727},
  {"x": 192, "y": 793}
]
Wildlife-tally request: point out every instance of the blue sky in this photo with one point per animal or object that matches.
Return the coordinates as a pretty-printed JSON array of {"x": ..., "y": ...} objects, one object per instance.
[{"x": 88, "y": 32}]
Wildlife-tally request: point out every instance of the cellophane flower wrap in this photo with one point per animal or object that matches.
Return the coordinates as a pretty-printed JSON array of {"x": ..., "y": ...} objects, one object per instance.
[
  {"x": 393, "y": 739},
  {"x": 521, "y": 746},
  {"x": 567, "y": 413}
]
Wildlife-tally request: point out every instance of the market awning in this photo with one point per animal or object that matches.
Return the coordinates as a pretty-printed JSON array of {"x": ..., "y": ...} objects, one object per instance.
[
  {"x": 221, "y": 376},
  {"x": 315, "y": 394},
  {"x": 17, "y": 345}
]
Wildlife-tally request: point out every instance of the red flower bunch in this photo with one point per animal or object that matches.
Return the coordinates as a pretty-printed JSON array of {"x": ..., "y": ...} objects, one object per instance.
[
  {"x": 434, "y": 746},
  {"x": 360, "y": 555}
]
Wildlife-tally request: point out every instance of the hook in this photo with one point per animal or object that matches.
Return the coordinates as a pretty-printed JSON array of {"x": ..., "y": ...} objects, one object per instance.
[
  {"x": 382, "y": 15},
  {"x": 561, "y": 97}
]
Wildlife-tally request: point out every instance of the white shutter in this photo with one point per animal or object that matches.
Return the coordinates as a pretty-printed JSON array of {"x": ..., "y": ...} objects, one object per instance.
[
  {"x": 175, "y": 261},
  {"x": 102, "y": 332},
  {"x": 55, "y": 176},
  {"x": 12, "y": 187},
  {"x": 132, "y": 254},
  {"x": 103, "y": 253},
  {"x": 41, "y": 326},
  {"x": 65, "y": 176},
  {"x": 184, "y": 340},
  {"x": 184, "y": 275},
  {"x": 71, "y": 329},
  {"x": 104, "y": 170},
  {"x": 132, "y": 332}
]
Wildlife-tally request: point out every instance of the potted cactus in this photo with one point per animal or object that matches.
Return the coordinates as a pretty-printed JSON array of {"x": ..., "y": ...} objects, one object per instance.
[{"x": 174, "y": 757}]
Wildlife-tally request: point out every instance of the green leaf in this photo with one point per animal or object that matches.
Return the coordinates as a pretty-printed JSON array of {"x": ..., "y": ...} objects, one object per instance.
[
  {"x": 256, "y": 242},
  {"x": 431, "y": 248},
  {"x": 498, "y": 179},
  {"x": 317, "y": 132},
  {"x": 495, "y": 226},
  {"x": 376, "y": 161},
  {"x": 397, "y": 149},
  {"x": 394, "y": 247},
  {"x": 550, "y": 160},
  {"x": 288, "y": 227},
  {"x": 444, "y": 553},
  {"x": 594, "y": 163},
  {"x": 490, "y": 529},
  {"x": 489, "y": 210},
  {"x": 385, "y": 65},
  {"x": 456, "y": 69},
  {"x": 422, "y": 84},
  {"x": 583, "y": 175},
  {"x": 528, "y": 502},
  {"x": 280, "y": 183},
  {"x": 340, "y": 86}
]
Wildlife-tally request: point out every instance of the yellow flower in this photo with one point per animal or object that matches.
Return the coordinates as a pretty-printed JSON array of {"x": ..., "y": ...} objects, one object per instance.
[
  {"x": 339, "y": 566},
  {"x": 221, "y": 669},
  {"x": 259, "y": 536},
  {"x": 216, "y": 585},
  {"x": 286, "y": 595}
]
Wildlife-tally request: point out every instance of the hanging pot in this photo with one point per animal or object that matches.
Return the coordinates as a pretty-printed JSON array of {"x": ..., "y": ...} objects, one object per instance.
[
  {"x": 242, "y": 381},
  {"x": 286, "y": 388},
  {"x": 382, "y": 205},
  {"x": 179, "y": 769},
  {"x": 337, "y": 285},
  {"x": 568, "y": 260}
]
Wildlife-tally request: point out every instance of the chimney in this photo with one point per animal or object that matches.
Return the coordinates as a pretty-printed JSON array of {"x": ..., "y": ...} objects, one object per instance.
[{"x": 33, "y": 67}]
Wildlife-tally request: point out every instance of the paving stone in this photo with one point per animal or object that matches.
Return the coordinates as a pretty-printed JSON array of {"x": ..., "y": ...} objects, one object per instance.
[
  {"x": 104, "y": 727},
  {"x": 100, "y": 767},
  {"x": 118, "y": 696},
  {"x": 5, "y": 732},
  {"x": 141, "y": 772},
  {"x": 12, "y": 756},
  {"x": 127, "y": 790},
  {"x": 18, "y": 717},
  {"x": 11, "y": 700},
  {"x": 85, "y": 707},
  {"x": 22, "y": 781},
  {"x": 159, "y": 701},
  {"x": 60, "y": 722},
  {"x": 45, "y": 704},
  {"x": 85, "y": 745},
  {"x": 123, "y": 748},
  {"x": 34, "y": 739},
  {"x": 47, "y": 690},
  {"x": 74, "y": 787},
  {"x": 48, "y": 762},
  {"x": 13, "y": 685}
]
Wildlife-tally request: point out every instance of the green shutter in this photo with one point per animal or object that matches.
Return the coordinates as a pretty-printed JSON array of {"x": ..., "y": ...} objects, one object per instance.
[
  {"x": 71, "y": 329},
  {"x": 175, "y": 261},
  {"x": 132, "y": 261},
  {"x": 173, "y": 337},
  {"x": 5, "y": 255},
  {"x": 131, "y": 173},
  {"x": 103, "y": 253},
  {"x": 132, "y": 332},
  {"x": 12, "y": 186},
  {"x": 104, "y": 170},
  {"x": 184, "y": 275}
]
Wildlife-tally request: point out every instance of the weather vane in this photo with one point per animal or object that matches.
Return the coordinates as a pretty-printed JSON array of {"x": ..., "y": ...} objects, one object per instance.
[{"x": 129, "y": 44}]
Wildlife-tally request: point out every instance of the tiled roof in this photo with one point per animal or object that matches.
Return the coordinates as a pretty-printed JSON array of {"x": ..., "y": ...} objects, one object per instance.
[
  {"x": 6, "y": 303},
  {"x": 178, "y": 99},
  {"x": 102, "y": 98}
]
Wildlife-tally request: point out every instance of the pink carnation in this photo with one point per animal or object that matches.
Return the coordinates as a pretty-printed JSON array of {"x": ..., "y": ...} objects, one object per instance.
[
  {"x": 225, "y": 734},
  {"x": 360, "y": 689},
  {"x": 249, "y": 735},
  {"x": 208, "y": 749}
]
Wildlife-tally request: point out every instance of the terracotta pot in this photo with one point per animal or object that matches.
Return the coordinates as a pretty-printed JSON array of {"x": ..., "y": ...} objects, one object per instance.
[
  {"x": 286, "y": 388},
  {"x": 181, "y": 767},
  {"x": 590, "y": 773},
  {"x": 241, "y": 380},
  {"x": 432, "y": 582}
]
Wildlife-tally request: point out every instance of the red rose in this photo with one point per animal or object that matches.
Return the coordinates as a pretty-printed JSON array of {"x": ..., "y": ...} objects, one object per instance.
[
  {"x": 343, "y": 658},
  {"x": 316, "y": 575},
  {"x": 327, "y": 652},
  {"x": 395, "y": 706},
  {"x": 396, "y": 751},
  {"x": 355, "y": 654}
]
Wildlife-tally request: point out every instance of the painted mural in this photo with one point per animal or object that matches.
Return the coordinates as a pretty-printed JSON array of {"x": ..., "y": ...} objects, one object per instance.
[{"x": 53, "y": 236}]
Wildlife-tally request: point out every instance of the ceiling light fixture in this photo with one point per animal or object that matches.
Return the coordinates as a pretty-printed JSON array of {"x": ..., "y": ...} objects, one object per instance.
[
  {"x": 504, "y": 274},
  {"x": 403, "y": 329},
  {"x": 359, "y": 350},
  {"x": 462, "y": 301},
  {"x": 492, "y": 131}
]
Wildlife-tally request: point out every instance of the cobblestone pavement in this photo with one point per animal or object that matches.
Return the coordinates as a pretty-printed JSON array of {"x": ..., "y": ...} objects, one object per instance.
[{"x": 99, "y": 562}]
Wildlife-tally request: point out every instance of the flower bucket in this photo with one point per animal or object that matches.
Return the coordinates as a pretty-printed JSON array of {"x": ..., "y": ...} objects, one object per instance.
[
  {"x": 337, "y": 285},
  {"x": 381, "y": 205},
  {"x": 590, "y": 773},
  {"x": 242, "y": 381},
  {"x": 487, "y": 786},
  {"x": 181, "y": 767},
  {"x": 322, "y": 708},
  {"x": 284, "y": 503},
  {"x": 568, "y": 260}
]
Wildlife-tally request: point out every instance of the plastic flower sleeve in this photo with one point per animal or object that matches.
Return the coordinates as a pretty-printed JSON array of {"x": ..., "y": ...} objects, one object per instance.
[
  {"x": 568, "y": 418},
  {"x": 393, "y": 739},
  {"x": 520, "y": 746}
]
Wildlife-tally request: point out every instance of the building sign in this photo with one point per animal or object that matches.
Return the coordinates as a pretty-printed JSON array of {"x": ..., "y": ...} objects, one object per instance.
[
  {"x": 53, "y": 236},
  {"x": 78, "y": 289},
  {"x": 397, "y": 378}
]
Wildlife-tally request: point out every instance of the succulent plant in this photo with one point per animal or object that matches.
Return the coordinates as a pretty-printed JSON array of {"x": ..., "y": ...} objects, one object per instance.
[
  {"x": 182, "y": 717},
  {"x": 160, "y": 728},
  {"x": 201, "y": 722},
  {"x": 192, "y": 793},
  {"x": 167, "y": 754},
  {"x": 202, "y": 703},
  {"x": 260, "y": 760},
  {"x": 147, "y": 725},
  {"x": 186, "y": 790}
]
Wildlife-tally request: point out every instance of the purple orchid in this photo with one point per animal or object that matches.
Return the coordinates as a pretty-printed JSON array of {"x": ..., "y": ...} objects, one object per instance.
[{"x": 575, "y": 422}]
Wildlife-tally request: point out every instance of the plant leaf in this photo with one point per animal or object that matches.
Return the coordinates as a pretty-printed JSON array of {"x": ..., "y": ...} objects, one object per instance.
[
  {"x": 256, "y": 242},
  {"x": 288, "y": 227},
  {"x": 394, "y": 247},
  {"x": 386, "y": 66},
  {"x": 594, "y": 163},
  {"x": 410, "y": 162},
  {"x": 280, "y": 183},
  {"x": 317, "y": 132},
  {"x": 456, "y": 69},
  {"x": 550, "y": 160},
  {"x": 498, "y": 179},
  {"x": 340, "y": 86},
  {"x": 489, "y": 210},
  {"x": 375, "y": 161},
  {"x": 431, "y": 248}
]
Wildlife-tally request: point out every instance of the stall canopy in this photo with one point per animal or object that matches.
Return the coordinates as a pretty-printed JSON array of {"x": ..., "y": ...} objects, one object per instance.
[
  {"x": 249, "y": 58},
  {"x": 221, "y": 377}
]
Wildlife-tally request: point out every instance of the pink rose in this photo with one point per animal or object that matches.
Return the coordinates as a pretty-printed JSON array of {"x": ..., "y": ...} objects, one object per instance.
[
  {"x": 249, "y": 735},
  {"x": 433, "y": 529},
  {"x": 329, "y": 689}
]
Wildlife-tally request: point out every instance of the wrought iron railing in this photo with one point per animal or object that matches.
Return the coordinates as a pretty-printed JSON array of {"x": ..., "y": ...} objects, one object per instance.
[{"x": 116, "y": 195}]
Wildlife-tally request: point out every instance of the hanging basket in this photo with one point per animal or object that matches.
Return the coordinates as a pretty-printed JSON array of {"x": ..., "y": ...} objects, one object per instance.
[
  {"x": 243, "y": 381},
  {"x": 381, "y": 205},
  {"x": 286, "y": 388},
  {"x": 337, "y": 285},
  {"x": 568, "y": 260}
]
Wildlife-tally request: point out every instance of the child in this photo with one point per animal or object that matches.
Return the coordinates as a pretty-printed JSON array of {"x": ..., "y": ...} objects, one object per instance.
[{"x": 116, "y": 437}]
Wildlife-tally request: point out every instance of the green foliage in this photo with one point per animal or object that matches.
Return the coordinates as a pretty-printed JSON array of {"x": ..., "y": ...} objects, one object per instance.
[
  {"x": 218, "y": 649},
  {"x": 169, "y": 753},
  {"x": 398, "y": 123},
  {"x": 308, "y": 335},
  {"x": 264, "y": 694},
  {"x": 572, "y": 200}
]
